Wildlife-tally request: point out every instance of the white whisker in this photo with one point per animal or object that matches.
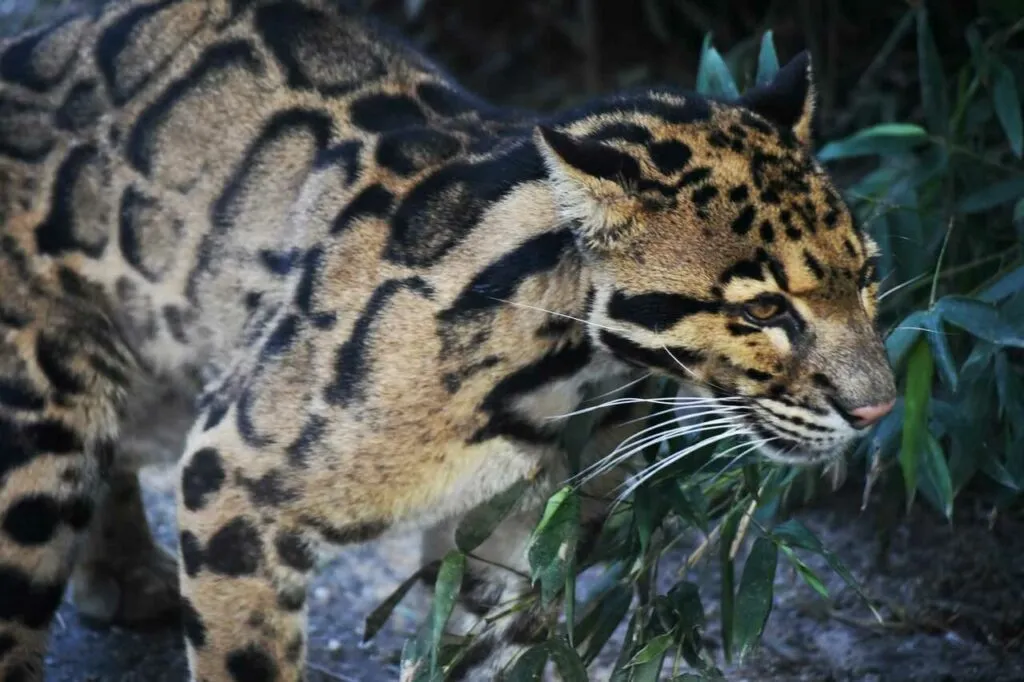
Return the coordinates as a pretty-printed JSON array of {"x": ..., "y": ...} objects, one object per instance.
[
  {"x": 753, "y": 446},
  {"x": 644, "y": 476},
  {"x": 558, "y": 314},
  {"x": 618, "y": 455},
  {"x": 623, "y": 387},
  {"x": 653, "y": 470},
  {"x": 652, "y": 401}
]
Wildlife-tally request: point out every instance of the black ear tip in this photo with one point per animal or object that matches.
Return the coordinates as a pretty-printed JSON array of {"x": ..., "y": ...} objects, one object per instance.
[
  {"x": 558, "y": 141},
  {"x": 799, "y": 66},
  {"x": 548, "y": 133}
]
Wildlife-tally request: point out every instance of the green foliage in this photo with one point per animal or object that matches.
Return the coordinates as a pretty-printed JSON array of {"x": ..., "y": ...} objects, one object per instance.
[
  {"x": 945, "y": 206},
  {"x": 944, "y": 198}
]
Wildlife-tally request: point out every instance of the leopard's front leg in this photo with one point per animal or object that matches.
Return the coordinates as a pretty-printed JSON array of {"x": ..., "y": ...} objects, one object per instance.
[
  {"x": 496, "y": 587},
  {"x": 243, "y": 572}
]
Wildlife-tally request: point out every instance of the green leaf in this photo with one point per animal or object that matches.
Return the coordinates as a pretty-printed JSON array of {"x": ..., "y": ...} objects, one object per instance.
[
  {"x": 767, "y": 60},
  {"x": 1009, "y": 284},
  {"x": 643, "y": 510},
  {"x": 609, "y": 612},
  {"x": 980, "y": 319},
  {"x": 796, "y": 534},
  {"x": 689, "y": 504},
  {"x": 413, "y": 666},
  {"x": 648, "y": 661},
  {"x": 915, "y": 417},
  {"x": 554, "y": 542},
  {"x": 634, "y": 631},
  {"x": 446, "y": 590},
  {"x": 714, "y": 78},
  {"x": 1007, "y": 104},
  {"x": 480, "y": 522},
  {"x": 995, "y": 470},
  {"x": 754, "y": 597},
  {"x": 419, "y": 660},
  {"x": 991, "y": 196},
  {"x": 884, "y": 138},
  {"x": 806, "y": 572},
  {"x": 375, "y": 621},
  {"x": 938, "y": 341},
  {"x": 728, "y": 594},
  {"x": 529, "y": 667},
  {"x": 934, "y": 96},
  {"x": 655, "y": 648},
  {"x": 904, "y": 336},
  {"x": 567, "y": 661},
  {"x": 978, "y": 54},
  {"x": 686, "y": 602},
  {"x": 934, "y": 479}
]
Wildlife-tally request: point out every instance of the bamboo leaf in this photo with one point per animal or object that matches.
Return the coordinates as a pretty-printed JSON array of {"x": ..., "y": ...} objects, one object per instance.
[
  {"x": 480, "y": 522},
  {"x": 714, "y": 78},
  {"x": 554, "y": 541},
  {"x": 1007, "y": 103},
  {"x": 915, "y": 416},
  {"x": 934, "y": 95},
  {"x": 767, "y": 60},
  {"x": 755, "y": 594}
]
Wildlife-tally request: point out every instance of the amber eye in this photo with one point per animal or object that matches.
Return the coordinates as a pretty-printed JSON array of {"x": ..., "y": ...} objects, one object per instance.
[{"x": 765, "y": 309}]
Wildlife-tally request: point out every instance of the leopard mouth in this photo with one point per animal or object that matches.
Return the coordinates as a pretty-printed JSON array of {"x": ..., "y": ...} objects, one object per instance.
[{"x": 785, "y": 444}]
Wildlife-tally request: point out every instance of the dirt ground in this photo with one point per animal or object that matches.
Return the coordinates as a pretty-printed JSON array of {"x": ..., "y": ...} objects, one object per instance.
[{"x": 952, "y": 598}]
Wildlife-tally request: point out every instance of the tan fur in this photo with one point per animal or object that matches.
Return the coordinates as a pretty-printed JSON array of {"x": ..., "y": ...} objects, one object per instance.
[{"x": 373, "y": 297}]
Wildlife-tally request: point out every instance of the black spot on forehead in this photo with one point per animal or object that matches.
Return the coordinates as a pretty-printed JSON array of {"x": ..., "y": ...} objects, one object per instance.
[
  {"x": 739, "y": 194},
  {"x": 745, "y": 220},
  {"x": 705, "y": 194},
  {"x": 670, "y": 156},
  {"x": 695, "y": 176}
]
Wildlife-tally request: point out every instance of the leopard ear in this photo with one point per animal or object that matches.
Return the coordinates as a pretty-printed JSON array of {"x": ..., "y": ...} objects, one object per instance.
[
  {"x": 592, "y": 184},
  {"x": 788, "y": 100}
]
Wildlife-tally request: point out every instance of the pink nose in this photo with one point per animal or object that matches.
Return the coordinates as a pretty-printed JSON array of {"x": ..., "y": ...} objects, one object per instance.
[{"x": 869, "y": 414}]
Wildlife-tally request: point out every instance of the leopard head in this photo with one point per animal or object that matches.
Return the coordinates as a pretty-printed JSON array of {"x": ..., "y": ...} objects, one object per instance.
[{"x": 721, "y": 254}]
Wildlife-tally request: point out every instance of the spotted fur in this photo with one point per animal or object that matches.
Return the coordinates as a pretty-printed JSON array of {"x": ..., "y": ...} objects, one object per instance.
[{"x": 371, "y": 293}]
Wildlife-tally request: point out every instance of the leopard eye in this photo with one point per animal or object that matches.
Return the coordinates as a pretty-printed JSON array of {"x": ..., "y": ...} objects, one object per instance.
[{"x": 765, "y": 309}]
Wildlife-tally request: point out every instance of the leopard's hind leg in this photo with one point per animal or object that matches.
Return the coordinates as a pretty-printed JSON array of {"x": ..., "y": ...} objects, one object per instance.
[
  {"x": 123, "y": 576},
  {"x": 64, "y": 375}
]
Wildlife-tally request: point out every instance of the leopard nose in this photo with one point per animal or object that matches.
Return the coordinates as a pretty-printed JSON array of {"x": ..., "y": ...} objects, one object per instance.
[{"x": 869, "y": 414}]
